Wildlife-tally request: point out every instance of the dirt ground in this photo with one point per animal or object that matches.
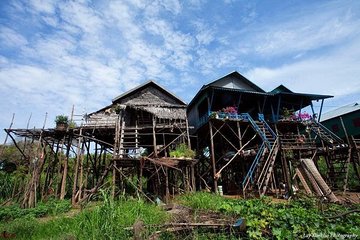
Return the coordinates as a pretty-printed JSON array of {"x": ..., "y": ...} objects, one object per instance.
[
  {"x": 183, "y": 214},
  {"x": 349, "y": 197}
]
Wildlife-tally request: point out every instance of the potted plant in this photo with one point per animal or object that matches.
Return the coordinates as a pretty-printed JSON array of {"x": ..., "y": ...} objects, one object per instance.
[
  {"x": 288, "y": 114},
  {"x": 61, "y": 122},
  {"x": 182, "y": 151},
  {"x": 213, "y": 115}
]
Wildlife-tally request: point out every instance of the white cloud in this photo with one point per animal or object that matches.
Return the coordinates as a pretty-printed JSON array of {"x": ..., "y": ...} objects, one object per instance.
[
  {"x": 85, "y": 53},
  {"x": 205, "y": 34},
  {"x": 82, "y": 16},
  {"x": 11, "y": 38},
  {"x": 174, "y": 6},
  {"x": 298, "y": 33},
  {"x": 336, "y": 73},
  {"x": 43, "y": 6}
]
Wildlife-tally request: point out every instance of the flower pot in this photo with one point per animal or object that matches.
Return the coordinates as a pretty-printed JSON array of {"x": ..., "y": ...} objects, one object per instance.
[{"x": 61, "y": 126}]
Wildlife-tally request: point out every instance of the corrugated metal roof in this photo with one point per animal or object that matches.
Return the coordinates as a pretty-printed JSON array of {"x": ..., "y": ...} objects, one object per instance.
[
  {"x": 281, "y": 88},
  {"x": 240, "y": 79},
  {"x": 340, "y": 111}
]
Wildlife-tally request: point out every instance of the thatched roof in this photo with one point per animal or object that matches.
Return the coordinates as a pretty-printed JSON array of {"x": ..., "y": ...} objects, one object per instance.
[
  {"x": 143, "y": 89},
  {"x": 164, "y": 112},
  {"x": 149, "y": 97}
]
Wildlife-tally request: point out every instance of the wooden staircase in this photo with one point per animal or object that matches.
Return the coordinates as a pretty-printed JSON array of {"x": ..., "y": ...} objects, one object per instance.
[
  {"x": 261, "y": 170},
  {"x": 126, "y": 139},
  {"x": 325, "y": 134},
  {"x": 267, "y": 169},
  {"x": 338, "y": 166}
]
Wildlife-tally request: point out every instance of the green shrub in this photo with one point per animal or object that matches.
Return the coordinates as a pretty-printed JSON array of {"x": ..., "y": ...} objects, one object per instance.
[
  {"x": 182, "y": 150},
  {"x": 52, "y": 207},
  {"x": 296, "y": 219},
  {"x": 61, "y": 119}
]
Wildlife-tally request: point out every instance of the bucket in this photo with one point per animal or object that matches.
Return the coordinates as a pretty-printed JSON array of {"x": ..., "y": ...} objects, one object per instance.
[{"x": 220, "y": 190}]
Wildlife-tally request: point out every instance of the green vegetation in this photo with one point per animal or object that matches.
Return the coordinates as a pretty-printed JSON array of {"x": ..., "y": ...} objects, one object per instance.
[
  {"x": 182, "y": 150},
  {"x": 296, "y": 219},
  {"x": 299, "y": 219},
  {"x": 107, "y": 221},
  {"x": 61, "y": 119},
  {"x": 52, "y": 207}
]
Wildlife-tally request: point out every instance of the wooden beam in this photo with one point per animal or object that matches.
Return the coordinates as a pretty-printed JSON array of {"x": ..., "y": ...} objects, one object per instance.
[
  {"x": 154, "y": 136},
  {"x": 213, "y": 162},
  {"x": 321, "y": 107}
]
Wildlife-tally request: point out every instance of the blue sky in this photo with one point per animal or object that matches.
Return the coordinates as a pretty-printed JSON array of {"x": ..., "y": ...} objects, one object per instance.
[{"x": 55, "y": 54}]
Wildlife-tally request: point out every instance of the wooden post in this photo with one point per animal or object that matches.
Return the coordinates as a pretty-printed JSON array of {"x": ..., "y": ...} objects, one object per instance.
[
  {"x": 193, "y": 185},
  {"x": 76, "y": 169},
  {"x": 65, "y": 171},
  {"x": 239, "y": 133},
  {"x": 141, "y": 173},
  {"x": 187, "y": 183},
  {"x": 154, "y": 136},
  {"x": 321, "y": 107},
  {"x": 7, "y": 134},
  {"x": 345, "y": 131},
  {"x": 286, "y": 172},
  {"x": 213, "y": 156},
  {"x": 113, "y": 181},
  {"x": 81, "y": 165},
  {"x": 187, "y": 132},
  {"x": 167, "y": 192},
  {"x": 59, "y": 175},
  {"x": 356, "y": 154}
]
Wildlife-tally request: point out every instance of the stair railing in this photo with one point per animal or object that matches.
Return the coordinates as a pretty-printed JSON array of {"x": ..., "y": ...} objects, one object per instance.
[
  {"x": 249, "y": 176},
  {"x": 262, "y": 119},
  {"x": 333, "y": 135},
  {"x": 270, "y": 159},
  {"x": 246, "y": 116}
]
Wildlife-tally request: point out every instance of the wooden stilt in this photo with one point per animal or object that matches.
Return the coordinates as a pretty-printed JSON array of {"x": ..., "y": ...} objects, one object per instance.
[
  {"x": 65, "y": 172},
  {"x": 213, "y": 162},
  {"x": 113, "y": 189},
  {"x": 76, "y": 170},
  {"x": 167, "y": 191},
  {"x": 154, "y": 136}
]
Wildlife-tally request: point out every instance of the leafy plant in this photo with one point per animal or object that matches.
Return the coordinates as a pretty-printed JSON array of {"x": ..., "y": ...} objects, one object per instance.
[
  {"x": 288, "y": 113},
  {"x": 72, "y": 124},
  {"x": 61, "y": 119},
  {"x": 299, "y": 219},
  {"x": 52, "y": 207},
  {"x": 182, "y": 150},
  {"x": 213, "y": 115}
]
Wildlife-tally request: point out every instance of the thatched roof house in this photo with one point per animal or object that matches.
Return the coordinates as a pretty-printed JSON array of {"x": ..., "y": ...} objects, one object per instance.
[{"x": 150, "y": 98}]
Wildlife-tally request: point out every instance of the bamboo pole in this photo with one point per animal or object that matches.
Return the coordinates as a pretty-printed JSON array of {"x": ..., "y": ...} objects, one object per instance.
[
  {"x": 167, "y": 192},
  {"x": 309, "y": 164},
  {"x": 11, "y": 123},
  {"x": 154, "y": 136},
  {"x": 76, "y": 169},
  {"x": 65, "y": 172},
  {"x": 213, "y": 162}
]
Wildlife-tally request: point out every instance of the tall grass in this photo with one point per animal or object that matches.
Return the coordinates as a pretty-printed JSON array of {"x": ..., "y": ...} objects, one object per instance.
[
  {"x": 107, "y": 221},
  {"x": 202, "y": 200}
]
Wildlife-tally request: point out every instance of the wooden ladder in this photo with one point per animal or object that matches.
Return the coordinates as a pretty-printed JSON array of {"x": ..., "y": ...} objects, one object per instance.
[{"x": 267, "y": 169}]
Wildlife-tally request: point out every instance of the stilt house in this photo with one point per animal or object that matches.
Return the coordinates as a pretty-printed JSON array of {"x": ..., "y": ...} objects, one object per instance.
[
  {"x": 255, "y": 140},
  {"x": 130, "y": 142}
]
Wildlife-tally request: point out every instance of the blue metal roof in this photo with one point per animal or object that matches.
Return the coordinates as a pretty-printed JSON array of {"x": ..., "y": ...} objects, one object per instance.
[{"x": 340, "y": 111}]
